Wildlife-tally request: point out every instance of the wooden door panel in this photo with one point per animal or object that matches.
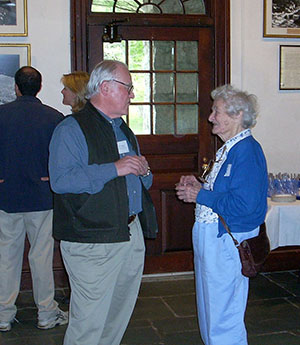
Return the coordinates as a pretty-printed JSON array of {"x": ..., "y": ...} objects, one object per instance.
[
  {"x": 177, "y": 222},
  {"x": 172, "y": 163},
  {"x": 169, "y": 156}
]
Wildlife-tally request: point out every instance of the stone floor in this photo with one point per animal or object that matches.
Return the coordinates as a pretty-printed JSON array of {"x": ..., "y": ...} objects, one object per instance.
[{"x": 165, "y": 314}]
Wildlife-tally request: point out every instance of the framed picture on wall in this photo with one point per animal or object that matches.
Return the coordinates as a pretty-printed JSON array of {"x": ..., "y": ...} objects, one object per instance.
[
  {"x": 12, "y": 57},
  {"x": 13, "y": 18},
  {"x": 282, "y": 18},
  {"x": 289, "y": 71}
]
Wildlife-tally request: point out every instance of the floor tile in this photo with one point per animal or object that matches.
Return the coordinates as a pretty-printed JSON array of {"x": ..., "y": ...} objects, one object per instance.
[
  {"x": 182, "y": 305},
  {"x": 272, "y": 315},
  {"x": 261, "y": 287},
  {"x": 175, "y": 325},
  {"x": 141, "y": 336},
  {"x": 151, "y": 308},
  {"x": 186, "y": 338},
  {"x": 284, "y": 338},
  {"x": 287, "y": 280},
  {"x": 165, "y": 314},
  {"x": 167, "y": 288}
]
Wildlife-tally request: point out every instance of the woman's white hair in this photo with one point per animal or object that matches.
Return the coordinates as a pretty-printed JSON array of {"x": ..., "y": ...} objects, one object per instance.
[
  {"x": 237, "y": 101},
  {"x": 105, "y": 70}
]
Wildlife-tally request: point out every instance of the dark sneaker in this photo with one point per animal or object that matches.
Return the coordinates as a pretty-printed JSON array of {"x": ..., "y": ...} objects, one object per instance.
[{"x": 62, "y": 318}]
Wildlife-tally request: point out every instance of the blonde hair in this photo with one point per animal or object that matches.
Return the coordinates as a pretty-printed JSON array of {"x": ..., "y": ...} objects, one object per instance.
[{"x": 77, "y": 82}]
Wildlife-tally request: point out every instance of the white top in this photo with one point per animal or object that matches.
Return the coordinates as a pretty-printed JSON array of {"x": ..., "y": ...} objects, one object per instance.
[{"x": 204, "y": 214}]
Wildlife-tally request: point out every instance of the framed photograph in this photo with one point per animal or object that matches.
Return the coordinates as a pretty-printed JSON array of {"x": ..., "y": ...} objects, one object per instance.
[
  {"x": 282, "y": 18},
  {"x": 289, "y": 72},
  {"x": 13, "y": 18},
  {"x": 12, "y": 57}
]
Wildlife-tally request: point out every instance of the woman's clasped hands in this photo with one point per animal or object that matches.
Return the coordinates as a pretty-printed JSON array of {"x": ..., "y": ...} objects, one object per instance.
[{"x": 188, "y": 188}]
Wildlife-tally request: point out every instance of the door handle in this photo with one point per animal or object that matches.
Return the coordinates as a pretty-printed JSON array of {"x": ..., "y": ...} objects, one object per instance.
[{"x": 205, "y": 164}]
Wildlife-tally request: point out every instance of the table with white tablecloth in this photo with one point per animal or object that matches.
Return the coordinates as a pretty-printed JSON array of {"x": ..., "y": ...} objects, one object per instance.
[{"x": 283, "y": 223}]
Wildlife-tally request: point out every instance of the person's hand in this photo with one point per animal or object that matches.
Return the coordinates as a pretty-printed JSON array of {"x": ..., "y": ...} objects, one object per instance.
[
  {"x": 189, "y": 180},
  {"x": 136, "y": 165},
  {"x": 188, "y": 188}
]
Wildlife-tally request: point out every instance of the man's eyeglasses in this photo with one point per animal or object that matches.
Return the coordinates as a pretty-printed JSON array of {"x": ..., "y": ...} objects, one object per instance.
[{"x": 128, "y": 86}]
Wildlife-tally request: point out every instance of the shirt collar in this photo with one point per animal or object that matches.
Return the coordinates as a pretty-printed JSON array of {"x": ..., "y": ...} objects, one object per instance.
[
  {"x": 116, "y": 122},
  {"x": 232, "y": 141}
]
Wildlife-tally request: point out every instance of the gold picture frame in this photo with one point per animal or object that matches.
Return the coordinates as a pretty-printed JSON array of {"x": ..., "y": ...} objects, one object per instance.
[
  {"x": 12, "y": 57},
  {"x": 289, "y": 71},
  {"x": 13, "y": 18},
  {"x": 281, "y": 19}
]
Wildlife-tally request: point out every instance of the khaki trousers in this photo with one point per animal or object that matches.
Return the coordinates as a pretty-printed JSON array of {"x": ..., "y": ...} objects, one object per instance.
[
  {"x": 13, "y": 228},
  {"x": 105, "y": 281}
]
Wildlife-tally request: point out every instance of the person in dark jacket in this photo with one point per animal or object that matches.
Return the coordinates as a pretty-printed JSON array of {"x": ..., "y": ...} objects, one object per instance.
[
  {"x": 26, "y": 201},
  {"x": 101, "y": 208}
]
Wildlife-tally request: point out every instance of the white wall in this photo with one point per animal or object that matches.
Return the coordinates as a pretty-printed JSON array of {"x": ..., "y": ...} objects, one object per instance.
[
  {"x": 49, "y": 36},
  {"x": 255, "y": 68}
]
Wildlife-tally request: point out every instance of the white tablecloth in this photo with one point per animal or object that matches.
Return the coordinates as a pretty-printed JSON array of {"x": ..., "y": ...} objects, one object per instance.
[{"x": 283, "y": 223}]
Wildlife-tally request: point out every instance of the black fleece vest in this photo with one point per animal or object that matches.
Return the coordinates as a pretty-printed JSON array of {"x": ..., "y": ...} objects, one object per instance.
[{"x": 100, "y": 217}]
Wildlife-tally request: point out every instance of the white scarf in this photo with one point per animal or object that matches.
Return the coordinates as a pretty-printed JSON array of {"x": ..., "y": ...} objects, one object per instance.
[{"x": 204, "y": 214}]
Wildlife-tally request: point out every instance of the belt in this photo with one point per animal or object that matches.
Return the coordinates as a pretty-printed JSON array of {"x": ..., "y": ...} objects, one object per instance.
[{"x": 131, "y": 218}]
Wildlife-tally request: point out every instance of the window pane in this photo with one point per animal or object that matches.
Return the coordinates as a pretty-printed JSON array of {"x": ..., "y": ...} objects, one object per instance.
[
  {"x": 172, "y": 6},
  {"x": 141, "y": 82},
  {"x": 162, "y": 6},
  {"x": 187, "y": 87},
  {"x": 163, "y": 119},
  {"x": 139, "y": 119},
  {"x": 163, "y": 87},
  {"x": 187, "y": 119},
  {"x": 102, "y": 5},
  {"x": 139, "y": 55},
  {"x": 163, "y": 55},
  {"x": 126, "y": 6},
  {"x": 195, "y": 7},
  {"x": 187, "y": 55},
  {"x": 114, "y": 51},
  {"x": 149, "y": 9}
]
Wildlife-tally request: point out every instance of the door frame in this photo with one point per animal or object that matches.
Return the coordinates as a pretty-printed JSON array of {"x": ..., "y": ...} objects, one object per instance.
[
  {"x": 218, "y": 17},
  {"x": 218, "y": 20}
]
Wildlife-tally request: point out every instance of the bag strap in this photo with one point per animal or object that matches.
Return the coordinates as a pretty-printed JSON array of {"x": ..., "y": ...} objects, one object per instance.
[{"x": 228, "y": 230}]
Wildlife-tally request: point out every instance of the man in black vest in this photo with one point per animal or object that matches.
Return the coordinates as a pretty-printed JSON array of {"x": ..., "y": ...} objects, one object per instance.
[{"x": 101, "y": 208}]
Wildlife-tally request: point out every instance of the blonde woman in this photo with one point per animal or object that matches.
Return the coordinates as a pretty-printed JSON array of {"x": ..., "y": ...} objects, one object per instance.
[{"x": 74, "y": 89}]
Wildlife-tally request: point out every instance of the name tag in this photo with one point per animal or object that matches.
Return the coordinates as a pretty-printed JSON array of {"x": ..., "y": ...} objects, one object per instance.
[
  {"x": 228, "y": 170},
  {"x": 122, "y": 147}
]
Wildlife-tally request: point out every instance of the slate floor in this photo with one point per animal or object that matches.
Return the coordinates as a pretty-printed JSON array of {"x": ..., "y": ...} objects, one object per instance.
[{"x": 165, "y": 314}]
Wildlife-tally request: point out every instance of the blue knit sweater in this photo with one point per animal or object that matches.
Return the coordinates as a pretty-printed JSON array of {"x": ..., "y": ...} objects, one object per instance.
[{"x": 241, "y": 197}]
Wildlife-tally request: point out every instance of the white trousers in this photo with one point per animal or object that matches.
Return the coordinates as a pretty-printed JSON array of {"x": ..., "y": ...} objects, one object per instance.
[
  {"x": 221, "y": 289},
  {"x": 13, "y": 228},
  {"x": 105, "y": 281}
]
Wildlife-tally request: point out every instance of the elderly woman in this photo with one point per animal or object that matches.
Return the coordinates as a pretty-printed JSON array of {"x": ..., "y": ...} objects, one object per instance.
[
  {"x": 236, "y": 189},
  {"x": 74, "y": 89}
]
